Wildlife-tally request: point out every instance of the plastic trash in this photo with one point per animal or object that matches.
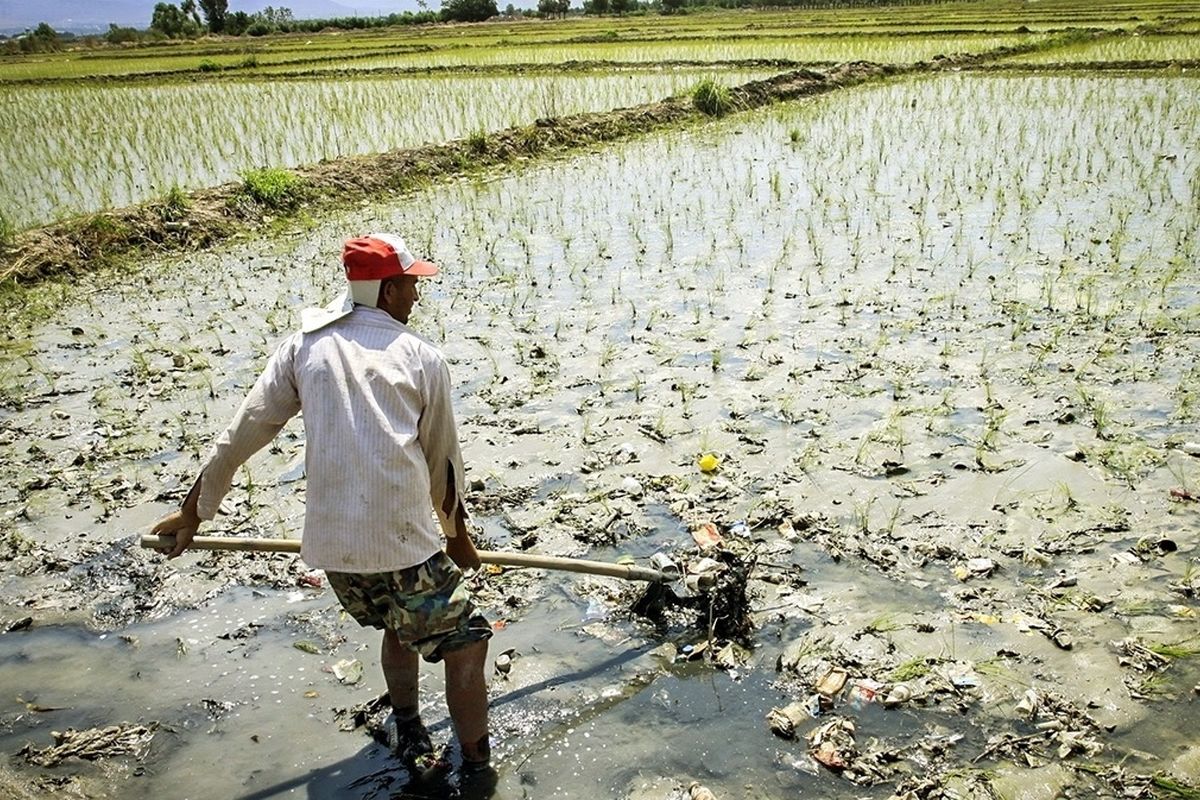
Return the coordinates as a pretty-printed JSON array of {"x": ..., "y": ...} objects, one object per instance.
[
  {"x": 348, "y": 671},
  {"x": 665, "y": 564},
  {"x": 707, "y": 535},
  {"x": 784, "y": 721},
  {"x": 708, "y": 463},
  {"x": 833, "y": 744},
  {"x": 703, "y": 574},
  {"x": 981, "y": 566},
  {"x": 504, "y": 661},
  {"x": 899, "y": 694},
  {"x": 595, "y": 610},
  {"x": 632, "y": 487},
  {"x": 832, "y": 682},
  {"x": 1029, "y": 703}
]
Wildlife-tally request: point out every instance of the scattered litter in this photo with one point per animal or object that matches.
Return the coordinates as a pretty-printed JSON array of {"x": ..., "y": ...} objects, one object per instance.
[
  {"x": 964, "y": 681},
  {"x": 504, "y": 661},
  {"x": 1124, "y": 558},
  {"x": 865, "y": 691},
  {"x": 1056, "y": 721},
  {"x": 702, "y": 574},
  {"x": 831, "y": 683},
  {"x": 1132, "y": 653},
  {"x": 348, "y": 671},
  {"x": 306, "y": 646},
  {"x": 370, "y": 714},
  {"x": 731, "y": 656},
  {"x": 899, "y": 694},
  {"x": 784, "y": 721},
  {"x": 1149, "y": 547},
  {"x": 665, "y": 564},
  {"x": 1028, "y": 704},
  {"x": 981, "y": 567},
  {"x": 1062, "y": 581},
  {"x": 92, "y": 744},
  {"x": 833, "y": 745},
  {"x": 697, "y": 791},
  {"x": 708, "y": 463},
  {"x": 801, "y": 763},
  {"x": 596, "y": 610},
  {"x": 706, "y": 535},
  {"x": 311, "y": 579}
]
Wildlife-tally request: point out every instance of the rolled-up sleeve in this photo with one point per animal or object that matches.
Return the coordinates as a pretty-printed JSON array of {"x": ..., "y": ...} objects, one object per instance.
[
  {"x": 270, "y": 404},
  {"x": 439, "y": 441}
]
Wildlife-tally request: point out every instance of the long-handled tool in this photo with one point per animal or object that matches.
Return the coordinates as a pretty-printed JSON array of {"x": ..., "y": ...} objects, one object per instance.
[{"x": 625, "y": 571}]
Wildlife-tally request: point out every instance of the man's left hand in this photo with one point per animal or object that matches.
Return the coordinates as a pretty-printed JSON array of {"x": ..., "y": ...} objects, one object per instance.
[{"x": 182, "y": 526}]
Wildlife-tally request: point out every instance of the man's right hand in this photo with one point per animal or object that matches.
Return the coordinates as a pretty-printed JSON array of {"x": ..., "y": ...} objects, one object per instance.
[
  {"x": 462, "y": 551},
  {"x": 180, "y": 524}
]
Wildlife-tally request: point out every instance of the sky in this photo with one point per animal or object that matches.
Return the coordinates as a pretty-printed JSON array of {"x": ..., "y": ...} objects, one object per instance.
[{"x": 83, "y": 16}]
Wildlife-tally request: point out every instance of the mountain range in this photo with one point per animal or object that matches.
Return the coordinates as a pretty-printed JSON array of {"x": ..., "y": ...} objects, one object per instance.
[{"x": 90, "y": 16}]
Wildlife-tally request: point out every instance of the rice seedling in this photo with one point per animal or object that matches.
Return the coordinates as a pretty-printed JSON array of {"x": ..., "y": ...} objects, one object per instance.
[
  {"x": 1186, "y": 648},
  {"x": 913, "y": 668},
  {"x": 59, "y": 169}
]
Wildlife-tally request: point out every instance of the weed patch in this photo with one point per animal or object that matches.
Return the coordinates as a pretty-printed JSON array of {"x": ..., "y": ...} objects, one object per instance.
[
  {"x": 712, "y": 98},
  {"x": 175, "y": 205},
  {"x": 274, "y": 188}
]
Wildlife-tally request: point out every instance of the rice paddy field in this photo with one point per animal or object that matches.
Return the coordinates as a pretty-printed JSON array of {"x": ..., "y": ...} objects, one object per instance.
[
  {"x": 932, "y": 337},
  {"x": 1173, "y": 47},
  {"x": 140, "y": 131}
]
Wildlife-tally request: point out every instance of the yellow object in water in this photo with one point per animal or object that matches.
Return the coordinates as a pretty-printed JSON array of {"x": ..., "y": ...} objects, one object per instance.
[{"x": 708, "y": 463}]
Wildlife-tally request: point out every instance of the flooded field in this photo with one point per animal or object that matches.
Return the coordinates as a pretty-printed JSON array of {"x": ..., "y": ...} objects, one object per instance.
[
  {"x": 881, "y": 48},
  {"x": 940, "y": 338},
  {"x": 60, "y": 167}
]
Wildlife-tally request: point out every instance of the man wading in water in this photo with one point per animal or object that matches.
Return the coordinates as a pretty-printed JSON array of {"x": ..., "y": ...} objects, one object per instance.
[{"x": 381, "y": 452}]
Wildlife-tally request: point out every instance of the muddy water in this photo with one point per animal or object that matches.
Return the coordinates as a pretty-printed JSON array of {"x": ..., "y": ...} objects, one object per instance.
[{"x": 942, "y": 340}]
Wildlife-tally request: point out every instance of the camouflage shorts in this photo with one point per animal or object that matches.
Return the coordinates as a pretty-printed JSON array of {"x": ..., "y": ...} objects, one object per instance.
[{"x": 428, "y": 606}]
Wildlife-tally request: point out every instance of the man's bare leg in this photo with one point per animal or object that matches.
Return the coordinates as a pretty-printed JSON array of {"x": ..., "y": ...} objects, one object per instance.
[
  {"x": 401, "y": 675},
  {"x": 466, "y": 696}
]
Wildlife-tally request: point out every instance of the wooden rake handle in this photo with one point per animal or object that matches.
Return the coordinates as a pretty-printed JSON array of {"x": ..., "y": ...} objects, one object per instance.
[{"x": 627, "y": 572}]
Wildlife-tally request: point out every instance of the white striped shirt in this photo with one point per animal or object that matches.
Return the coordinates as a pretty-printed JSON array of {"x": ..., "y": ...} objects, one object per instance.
[{"x": 381, "y": 443}]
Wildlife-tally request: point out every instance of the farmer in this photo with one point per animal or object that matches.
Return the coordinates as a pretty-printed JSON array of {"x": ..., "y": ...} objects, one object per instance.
[{"x": 382, "y": 458}]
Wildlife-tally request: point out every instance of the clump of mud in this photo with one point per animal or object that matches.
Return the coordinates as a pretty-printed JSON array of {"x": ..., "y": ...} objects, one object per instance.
[{"x": 719, "y": 603}]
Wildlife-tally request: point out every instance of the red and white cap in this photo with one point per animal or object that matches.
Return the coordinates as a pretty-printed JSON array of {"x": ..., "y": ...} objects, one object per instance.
[
  {"x": 368, "y": 261},
  {"x": 372, "y": 259}
]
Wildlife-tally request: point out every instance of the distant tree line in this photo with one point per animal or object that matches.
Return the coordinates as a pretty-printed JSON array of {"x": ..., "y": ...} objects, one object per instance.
[
  {"x": 42, "y": 39},
  {"x": 192, "y": 18}
]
